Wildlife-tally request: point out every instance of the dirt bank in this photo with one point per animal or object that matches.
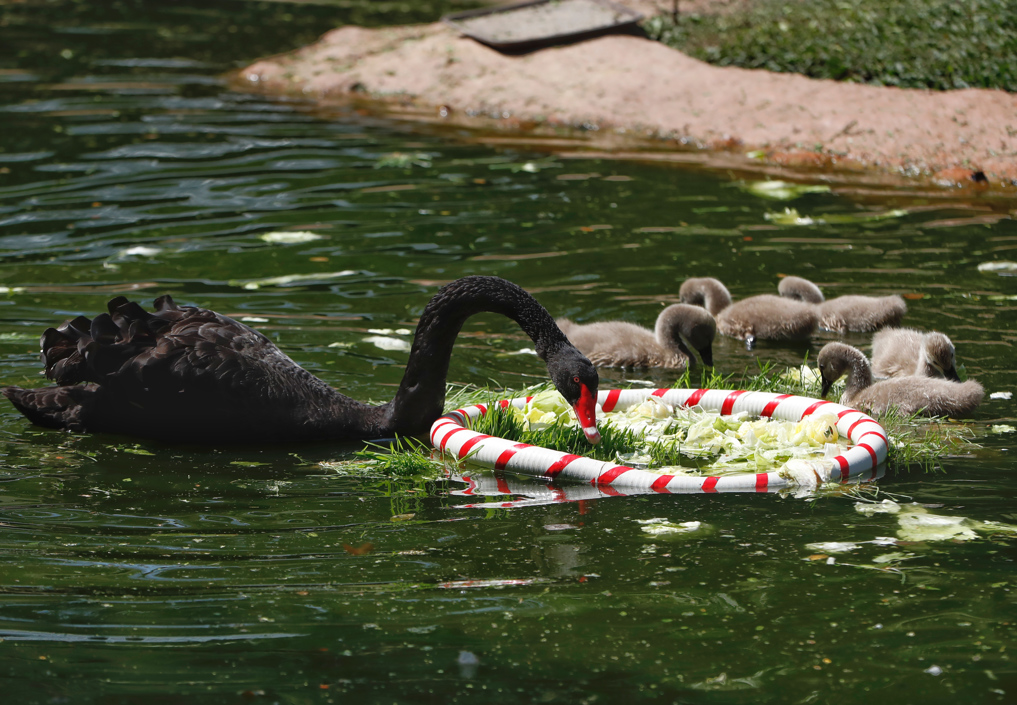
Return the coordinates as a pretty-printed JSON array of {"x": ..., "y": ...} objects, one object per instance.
[{"x": 630, "y": 85}]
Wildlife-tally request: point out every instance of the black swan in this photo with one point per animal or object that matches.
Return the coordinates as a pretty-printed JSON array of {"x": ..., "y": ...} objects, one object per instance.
[
  {"x": 909, "y": 395},
  {"x": 906, "y": 351},
  {"x": 187, "y": 374},
  {"x": 623, "y": 344},
  {"x": 760, "y": 317},
  {"x": 860, "y": 314}
]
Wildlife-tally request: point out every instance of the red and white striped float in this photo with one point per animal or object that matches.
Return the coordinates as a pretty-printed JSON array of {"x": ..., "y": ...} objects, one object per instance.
[{"x": 451, "y": 434}]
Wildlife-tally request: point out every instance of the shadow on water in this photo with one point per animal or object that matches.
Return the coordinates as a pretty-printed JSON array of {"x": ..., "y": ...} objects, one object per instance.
[{"x": 137, "y": 571}]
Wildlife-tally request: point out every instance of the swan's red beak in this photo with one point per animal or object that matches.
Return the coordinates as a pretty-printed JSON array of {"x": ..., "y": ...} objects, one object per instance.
[{"x": 586, "y": 412}]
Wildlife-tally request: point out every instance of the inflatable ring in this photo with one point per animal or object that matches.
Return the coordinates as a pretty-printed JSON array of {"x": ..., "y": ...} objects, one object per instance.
[{"x": 451, "y": 434}]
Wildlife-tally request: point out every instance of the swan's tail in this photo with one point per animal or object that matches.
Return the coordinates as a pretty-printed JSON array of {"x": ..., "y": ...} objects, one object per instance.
[
  {"x": 53, "y": 407},
  {"x": 87, "y": 350}
]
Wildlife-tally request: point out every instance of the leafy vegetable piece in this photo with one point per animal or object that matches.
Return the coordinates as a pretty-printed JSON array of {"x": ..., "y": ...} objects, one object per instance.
[
  {"x": 887, "y": 506},
  {"x": 781, "y": 190},
  {"x": 833, "y": 546},
  {"x": 1004, "y": 267},
  {"x": 790, "y": 216},
  {"x": 140, "y": 251},
  {"x": 287, "y": 279},
  {"x": 661, "y": 527},
  {"x": 403, "y": 160},
  {"x": 918, "y": 524},
  {"x": 388, "y": 343},
  {"x": 291, "y": 237}
]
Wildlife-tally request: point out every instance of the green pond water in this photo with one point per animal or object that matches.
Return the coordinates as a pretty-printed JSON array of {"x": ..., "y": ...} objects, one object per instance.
[{"x": 136, "y": 572}]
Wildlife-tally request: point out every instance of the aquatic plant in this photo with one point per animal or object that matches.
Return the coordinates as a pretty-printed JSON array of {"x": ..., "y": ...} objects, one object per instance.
[{"x": 913, "y": 44}]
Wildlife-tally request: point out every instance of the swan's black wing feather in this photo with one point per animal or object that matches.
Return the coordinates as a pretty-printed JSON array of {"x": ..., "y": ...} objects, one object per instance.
[{"x": 180, "y": 370}]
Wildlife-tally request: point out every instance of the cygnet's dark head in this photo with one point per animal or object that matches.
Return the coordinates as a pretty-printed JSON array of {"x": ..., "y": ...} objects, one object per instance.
[
  {"x": 941, "y": 355},
  {"x": 834, "y": 360},
  {"x": 680, "y": 323},
  {"x": 577, "y": 380}
]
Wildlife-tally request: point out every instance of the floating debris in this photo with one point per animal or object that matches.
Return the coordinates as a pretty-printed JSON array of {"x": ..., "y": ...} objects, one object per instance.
[
  {"x": 290, "y": 279},
  {"x": 781, "y": 190},
  {"x": 1001, "y": 267},
  {"x": 292, "y": 237},
  {"x": 140, "y": 251},
  {"x": 660, "y": 526},
  {"x": 388, "y": 343}
]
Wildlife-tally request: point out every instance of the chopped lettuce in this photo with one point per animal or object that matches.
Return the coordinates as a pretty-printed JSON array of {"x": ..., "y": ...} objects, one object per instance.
[
  {"x": 713, "y": 444},
  {"x": 545, "y": 409}
]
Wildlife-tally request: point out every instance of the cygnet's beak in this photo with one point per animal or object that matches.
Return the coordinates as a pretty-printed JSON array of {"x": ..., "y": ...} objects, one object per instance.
[
  {"x": 586, "y": 412},
  {"x": 826, "y": 387},
  {"x": 952, "y": 374},
  {"x": 707, "y": 355}
]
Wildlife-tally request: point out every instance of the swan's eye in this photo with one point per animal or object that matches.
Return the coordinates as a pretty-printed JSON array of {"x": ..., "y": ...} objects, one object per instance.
[{"x": 576, "y": 380}]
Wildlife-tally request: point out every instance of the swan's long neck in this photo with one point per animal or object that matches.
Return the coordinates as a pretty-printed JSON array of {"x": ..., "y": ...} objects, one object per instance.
[
  {"x": 859, "y": 375},
  {"x": 716, "y": 297},
  {"x": 421, "y": 395},
  {"x": 668, "y": 333}
]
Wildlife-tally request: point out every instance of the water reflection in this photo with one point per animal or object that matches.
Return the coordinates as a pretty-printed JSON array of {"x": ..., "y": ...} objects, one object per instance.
[{"x": 129, "y": 166}]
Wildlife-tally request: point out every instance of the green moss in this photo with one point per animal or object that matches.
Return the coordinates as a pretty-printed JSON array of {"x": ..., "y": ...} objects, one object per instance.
[{"x": 938, "y": 44}]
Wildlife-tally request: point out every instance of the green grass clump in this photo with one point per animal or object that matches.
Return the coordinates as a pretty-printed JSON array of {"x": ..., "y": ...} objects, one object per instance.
[
  {"x": 917, "y": 441},
  {"x": 940, "y": 44},
  {"x": 404, "y": 457},
  {"x": 566, "y": 439}
]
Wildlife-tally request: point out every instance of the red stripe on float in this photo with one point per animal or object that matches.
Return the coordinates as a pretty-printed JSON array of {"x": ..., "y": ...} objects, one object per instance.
[
  {"x": 843, "y": 467},
  {"x": 812, "y": 409},
  {"x": 507, "y": 454},
  {"x": 440, "y": 424},
  {"x": 729, "y": 401},
  {"x": 502, "y": 485},
  {"x": 875, "y": 433},
  {"x": 482, "y": 407},
  {"x": 609, "y": 476},
  {"x": 502, "y": 461},
  {"x": 660, "y": 484},
  {"x": 504, "y": 403},
  {"x": 710, "y": 484},
  {"x": 872, "y": 453},
  {"x": 695, "y": 397},
  {"x": 762, "y": 481},
  {"x": 772, "y": 406},
  {"x": 846, "y": 412},
  {"x": 451, "y": 433},
  {"x": 529, "y": 399},
  {"x": 611, "y": 401},
  {"x": 851, "y": 429},
  {"x": 560, "y": 465},
  {"x": 470, "y": 443},
  {"x": 659, "y": 392}
]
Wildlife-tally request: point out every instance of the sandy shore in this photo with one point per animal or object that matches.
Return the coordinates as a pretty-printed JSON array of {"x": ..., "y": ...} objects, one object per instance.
[{"x": 632, "y": 87}]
